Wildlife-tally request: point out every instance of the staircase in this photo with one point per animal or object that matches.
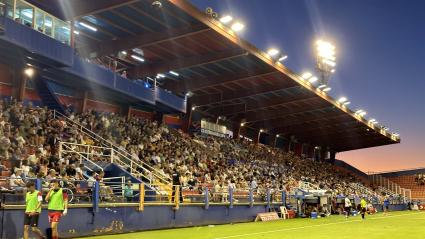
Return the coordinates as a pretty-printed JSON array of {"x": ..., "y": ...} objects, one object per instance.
[
  {"x": 47, "y": 95},
  {"x": 111, "y": 153}
]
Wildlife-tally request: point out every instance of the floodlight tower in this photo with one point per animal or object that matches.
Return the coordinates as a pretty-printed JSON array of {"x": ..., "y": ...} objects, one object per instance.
[{"x": 325, "y": 60}]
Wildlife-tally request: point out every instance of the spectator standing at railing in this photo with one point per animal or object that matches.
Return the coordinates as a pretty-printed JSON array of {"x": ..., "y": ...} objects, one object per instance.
[
  {"x": 177, "y": 184},
  {"x": 106, "y": 192},
  {"x": 128, "y": 191},
  {"x": 254, "y": 185}
]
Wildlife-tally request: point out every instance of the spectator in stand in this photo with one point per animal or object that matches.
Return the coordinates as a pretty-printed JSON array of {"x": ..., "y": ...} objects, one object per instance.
[
  {"x": 79, "y": 172},
  {"x": 128, "y": 191},
  {"x": 51, "y": 176},
  {"x": 15, "y": 182}
]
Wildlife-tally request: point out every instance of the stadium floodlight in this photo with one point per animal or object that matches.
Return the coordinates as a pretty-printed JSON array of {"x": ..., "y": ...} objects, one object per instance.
[
  {"x": 325, "y": 60},
  {"x": 277, "y": 135},
  {"x": 325, "y": 49},
  {"x": 159, "y": 75},
  {"x": 306, "y": 75},
  {"x": 76, "y": 32},
  {"x": 261, "y": 130},
  {"x": 174, "y": 73},
  {"x": 137, "y": 58},
  {"x": 242, "y": 124},
  {"x": 313, "y": 79},
  {"x": 321, "y": 86},
  {"x": 193, "y": 107},
  {"x": 226, "y": 19},
  {"x": 342, "y": 100},
  {"x": 272, "y": 52},
  {"x": 90, "y": 27},
  {"x": 327, "y": 89},
  {"x": 237, "y": 26},
  {"x": 29, "y": 71},
  {"x": 361, "y": 113},
  {"x": 189, "y": 94},
  {"x": 373, "y": 121},
  {"x": 346, "y": 103},
  {"x": 282, "y": 58}
]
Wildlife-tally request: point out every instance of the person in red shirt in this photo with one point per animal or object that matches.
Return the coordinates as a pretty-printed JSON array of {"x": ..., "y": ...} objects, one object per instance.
[{"x": 58, "y": 206}]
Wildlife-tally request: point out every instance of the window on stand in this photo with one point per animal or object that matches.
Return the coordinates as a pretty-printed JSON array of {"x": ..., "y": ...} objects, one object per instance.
[
  {"x": 61, "y": 31},
  {"x": 24, "y": 13},
  {"x": 48, "y": 25},
  {"x": 39, "y": 21},
  {"x": 6, "y": 8}
]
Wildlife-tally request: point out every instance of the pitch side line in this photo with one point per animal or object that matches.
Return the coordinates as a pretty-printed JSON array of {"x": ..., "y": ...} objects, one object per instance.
[{"x": 312, "y": 226}]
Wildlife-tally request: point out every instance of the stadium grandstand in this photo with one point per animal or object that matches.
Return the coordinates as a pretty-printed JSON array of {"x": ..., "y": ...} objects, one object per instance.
[{"x": 155, "y": 114}]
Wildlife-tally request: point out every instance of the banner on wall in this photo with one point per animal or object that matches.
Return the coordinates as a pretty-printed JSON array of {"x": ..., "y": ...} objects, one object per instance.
[{"x": 214, "y": 129}]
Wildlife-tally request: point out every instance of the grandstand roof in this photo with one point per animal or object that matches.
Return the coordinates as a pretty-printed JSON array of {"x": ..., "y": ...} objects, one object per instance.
[{"x": 227, "y": 75}]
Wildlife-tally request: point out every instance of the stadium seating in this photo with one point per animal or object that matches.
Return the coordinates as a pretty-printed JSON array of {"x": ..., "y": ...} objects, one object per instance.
[
  {"x": 203, "y": 161},
  {"x": 410, "y": 182}
]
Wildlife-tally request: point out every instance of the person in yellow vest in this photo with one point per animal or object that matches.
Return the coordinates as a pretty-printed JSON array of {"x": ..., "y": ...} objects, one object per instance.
[
  {"x": 58, "y": 206},
  {"x": 33, "y": 201},
  {"x": 363, "y": 205}
]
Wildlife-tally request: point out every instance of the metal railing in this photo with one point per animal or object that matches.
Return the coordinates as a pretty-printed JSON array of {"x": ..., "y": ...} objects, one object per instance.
[
  {"x": 362, "y": 189},
  {"x": 306, "y": 186},
  {"x": 388, "y": 187},
  {"x": 84, "y": 152},
  {"x": 78, "y": 191},
  {"x": 120, "y": 156}
]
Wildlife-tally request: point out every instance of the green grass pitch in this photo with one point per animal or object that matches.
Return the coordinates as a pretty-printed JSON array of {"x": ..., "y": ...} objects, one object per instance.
[{"x": 405, "y": 225}]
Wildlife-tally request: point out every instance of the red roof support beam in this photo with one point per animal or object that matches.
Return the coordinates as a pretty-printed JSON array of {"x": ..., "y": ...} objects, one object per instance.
[
  {"x": 226, "y": 96},
  {"x": 141, "y": 40},
  {"x": 308, "y": 129},
  {"x": 282, "y": 126},
  {"x": 253, "y": 105},
  {"x": 325, "y": 135},
  {"x": 199, "y": 84},
  {"x": 257, "y": 116},
  {"x": 185, "y": 62}
]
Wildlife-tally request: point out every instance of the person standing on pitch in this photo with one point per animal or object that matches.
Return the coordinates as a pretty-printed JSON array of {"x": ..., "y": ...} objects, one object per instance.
[
  {"x": 347, "y": 207},
  {"x": 33, "y": 201},
  {"x": 58, "y": 206},
  {"x": 363, "y": 205},
  {"x": 386, "y": 204}
]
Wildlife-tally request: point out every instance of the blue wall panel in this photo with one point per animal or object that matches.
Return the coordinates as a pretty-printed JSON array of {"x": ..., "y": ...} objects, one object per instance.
[
  {"x": 37, "y": 42},
  {"x": 81, "y": 221},
  {"x": 171, "y": 100}
]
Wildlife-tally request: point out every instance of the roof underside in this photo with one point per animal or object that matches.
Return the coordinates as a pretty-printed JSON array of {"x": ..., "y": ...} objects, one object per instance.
[{"x": 228, "y": 76}]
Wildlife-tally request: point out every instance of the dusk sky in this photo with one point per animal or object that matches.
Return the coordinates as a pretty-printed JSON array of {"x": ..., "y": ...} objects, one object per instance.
[{"x": 380, "y": 60}]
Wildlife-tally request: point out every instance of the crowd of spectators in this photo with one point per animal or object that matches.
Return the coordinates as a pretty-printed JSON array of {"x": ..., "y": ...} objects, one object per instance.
[{"x": 29, "y": 138}]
